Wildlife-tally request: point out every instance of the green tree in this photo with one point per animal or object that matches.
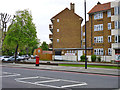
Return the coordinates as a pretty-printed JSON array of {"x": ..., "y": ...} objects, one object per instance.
[
  {"x": 22, "y": 32},
  {"x": 44, "y": 46}
]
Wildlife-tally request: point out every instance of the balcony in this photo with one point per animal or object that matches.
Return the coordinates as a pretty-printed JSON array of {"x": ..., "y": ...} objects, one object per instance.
[
  {"x": 51, "y": 37},
  {"x": 115, "y": 45},
  {"x": 115, "y": 31},
  {"x": 115, "y": 17},
  {"x": 51, "y": 27},
  {"x": 50, "y": 46}
]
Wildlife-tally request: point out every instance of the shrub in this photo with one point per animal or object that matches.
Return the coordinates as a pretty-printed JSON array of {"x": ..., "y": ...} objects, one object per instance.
[
  {"x": 99, "y": 59},
  {"x": 93, "y": 58},
  {"x": 83, "y": 58}
]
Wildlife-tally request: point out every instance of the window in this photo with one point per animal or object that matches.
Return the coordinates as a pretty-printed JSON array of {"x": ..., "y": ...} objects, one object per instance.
[
  {"x": 98, "y": 27},
  {"x": 57, "y": 40},
  {"x": 109, "y": 38},
  {"x": 98, "y": 39},
  {"x": 109, "y": 13},
  {"x": 58, "y": 20},
  {"x": 95, "y": 39},
  {"x": 117, "y": 24},
  {"x": 109, "y": 51},
  {"x": 109, "y": 26},
  {"x": 116, "y": 10},
  {"x": 57, "y": 30},
  {"x": 117, "y": 39},
  {"x": 83, "y": 40},
  {"x": 83, "y": 33},
  {"x": 98, "y": 15},
  {"x": 98, "y": 51}
]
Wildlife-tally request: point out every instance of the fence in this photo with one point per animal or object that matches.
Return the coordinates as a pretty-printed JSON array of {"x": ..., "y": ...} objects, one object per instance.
[{"x": 45, "y": 56}]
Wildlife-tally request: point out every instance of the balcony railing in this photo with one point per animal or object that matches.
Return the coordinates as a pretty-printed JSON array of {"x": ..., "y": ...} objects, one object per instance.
[
  {"x": 51, "y": 37},
  {"x": 50, "y": 46},
  {"x": 51, "y": 27}
]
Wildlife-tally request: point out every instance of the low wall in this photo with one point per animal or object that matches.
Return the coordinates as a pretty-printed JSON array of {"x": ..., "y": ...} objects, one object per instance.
[
  {"x": 103, "y": 58},
  {"x": 65, "y": 57},
  {"x": 70, "y": 58}
]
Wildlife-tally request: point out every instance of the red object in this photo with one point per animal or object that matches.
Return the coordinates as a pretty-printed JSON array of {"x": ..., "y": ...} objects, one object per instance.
[
  {"x": 37, "y": 60},
  {"x": 100, "y": 7}
]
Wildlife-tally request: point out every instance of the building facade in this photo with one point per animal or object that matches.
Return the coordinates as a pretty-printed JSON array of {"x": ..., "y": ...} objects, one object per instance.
[
  {"x": 66, "y": 34},
  {"x": 116, "y": 30},
  {"x": 102, "y": 32}
]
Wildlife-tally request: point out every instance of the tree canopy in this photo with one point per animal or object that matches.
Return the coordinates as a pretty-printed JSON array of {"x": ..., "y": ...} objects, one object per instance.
[
  {"x": 44, "y": 46},
  {"x": 22, "y": 33}
]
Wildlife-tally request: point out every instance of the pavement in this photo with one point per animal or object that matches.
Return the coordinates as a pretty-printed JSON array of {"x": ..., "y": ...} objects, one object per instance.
[
  {"x": 102, "y": 71},
  {"x": 67, "y": 62}
]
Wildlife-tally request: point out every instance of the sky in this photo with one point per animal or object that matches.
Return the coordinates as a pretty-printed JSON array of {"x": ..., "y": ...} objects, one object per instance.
[{"x": 44, "y": 10}]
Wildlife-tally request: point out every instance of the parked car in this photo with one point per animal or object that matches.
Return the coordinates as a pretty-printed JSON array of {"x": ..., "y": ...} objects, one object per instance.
[
  {"x": 21, "y": 58},
  {"x": 12, "y": 58},
  {"x": 26, "y": 57},
  {"x": 4, "y": 58}
]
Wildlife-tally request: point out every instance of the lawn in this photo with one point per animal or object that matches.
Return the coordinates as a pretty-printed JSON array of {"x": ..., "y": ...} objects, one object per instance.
[{"x": 93, "y": 66}]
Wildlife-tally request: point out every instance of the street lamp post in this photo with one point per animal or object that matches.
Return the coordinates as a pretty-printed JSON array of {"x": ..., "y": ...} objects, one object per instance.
[{"x": 85, "y": 37}]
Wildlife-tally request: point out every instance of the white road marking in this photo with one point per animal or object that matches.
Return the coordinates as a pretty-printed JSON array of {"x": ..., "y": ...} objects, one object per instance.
[
  {"x": 47, "y": 81},
  {"x": 76, "y": 83},
  {"x": 38, "y": 84},
  {"x": 13, "y": 74},
  {"x": 28, "y": 78}
]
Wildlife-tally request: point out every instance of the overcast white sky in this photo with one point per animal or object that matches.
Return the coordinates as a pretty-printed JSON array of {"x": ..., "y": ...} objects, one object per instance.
[{"x": 44, "y": 10}]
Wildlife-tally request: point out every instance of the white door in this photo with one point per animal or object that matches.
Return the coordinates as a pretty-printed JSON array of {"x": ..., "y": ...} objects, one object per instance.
[{"x": 80, "y": 53}]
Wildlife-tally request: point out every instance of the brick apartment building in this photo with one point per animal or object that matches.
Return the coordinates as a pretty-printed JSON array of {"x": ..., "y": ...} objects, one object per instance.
[
  {"x": 100, "y": 35},
  {"x": 66, "y": 34},
  {"x": 103, "y": 33},
  {"x": 116, "y": 30}
]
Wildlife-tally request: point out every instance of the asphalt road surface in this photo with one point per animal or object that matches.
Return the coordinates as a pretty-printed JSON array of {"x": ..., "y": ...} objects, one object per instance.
[{"x": 13, "y": 77}]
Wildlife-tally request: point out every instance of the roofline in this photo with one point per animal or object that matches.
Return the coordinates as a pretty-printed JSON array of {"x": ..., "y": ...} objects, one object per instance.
[
  {"x": 73, "y": 48},
  {"x": 99, "y": 11}
]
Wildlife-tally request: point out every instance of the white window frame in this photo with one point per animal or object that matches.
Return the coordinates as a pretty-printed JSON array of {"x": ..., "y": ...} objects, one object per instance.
[
  {"x": 83, "y": 40},
  {"x": 57, "y": 30},
  {"x": 83, "y": 33},
  {"x": 109, "y": 13},
  {"x": 98, "y": 27},
  {"x": 109, "y": 51},
  {"x": 98, "y": 51},
  {"x": 98, "y": 15},
  {"x": 117, "y": 39},
  {"x": 117, "y": 24},
  {"x": 57, "y": 40},
  {"x": 98, "y": 39},
  {"x": 109, "y": 39},
  {"x": 117, "y": 10},
  {"x": 58, "y": 20},
  {"x": 109, "y": 26}
]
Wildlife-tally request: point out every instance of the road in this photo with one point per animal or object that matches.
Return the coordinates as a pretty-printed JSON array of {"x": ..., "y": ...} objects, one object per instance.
[{"x": 14, "y": 77}]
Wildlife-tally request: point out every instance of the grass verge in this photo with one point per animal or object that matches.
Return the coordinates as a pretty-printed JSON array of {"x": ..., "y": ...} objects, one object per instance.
[{"x": 93, "y": 66}]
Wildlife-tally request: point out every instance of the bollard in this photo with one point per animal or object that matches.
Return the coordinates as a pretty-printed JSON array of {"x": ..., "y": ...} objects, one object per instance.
[{"x": 37, "y": 60}]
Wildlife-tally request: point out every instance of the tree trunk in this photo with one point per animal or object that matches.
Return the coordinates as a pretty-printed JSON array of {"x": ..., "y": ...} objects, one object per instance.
[{"x": 16, "y": 52}]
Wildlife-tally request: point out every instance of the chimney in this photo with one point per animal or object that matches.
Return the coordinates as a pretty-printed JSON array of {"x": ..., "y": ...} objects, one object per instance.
[
  {"x": 98, "y": 3},
  {"x": 72, "y": 7}
]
